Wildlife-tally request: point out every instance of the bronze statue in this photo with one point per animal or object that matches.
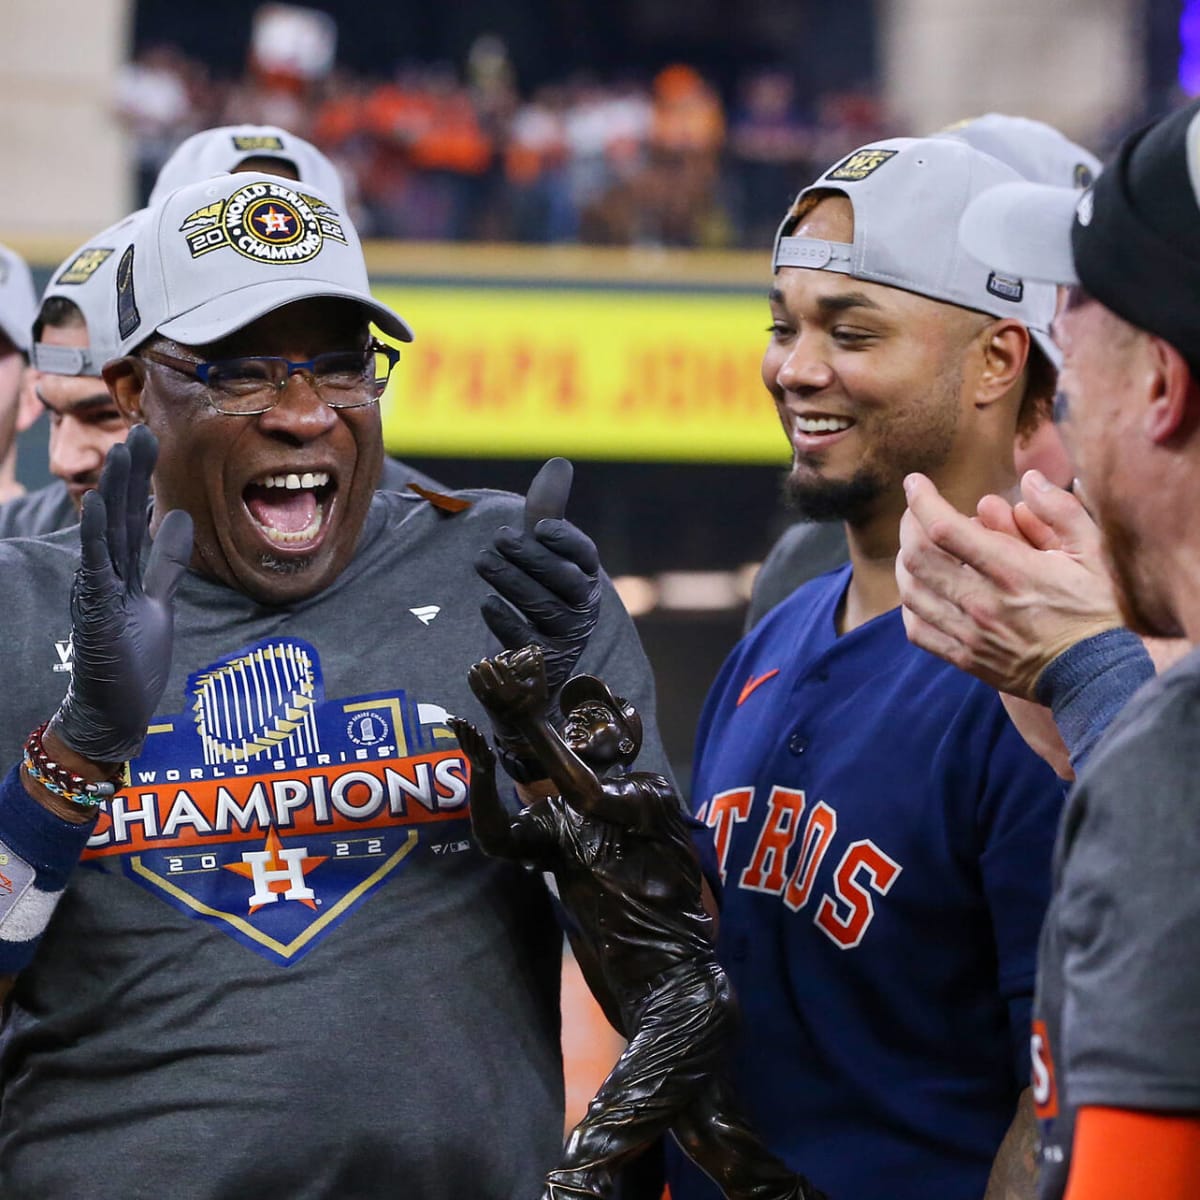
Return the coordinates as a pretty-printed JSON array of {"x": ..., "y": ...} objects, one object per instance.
[{"x": 620, "y": 849}]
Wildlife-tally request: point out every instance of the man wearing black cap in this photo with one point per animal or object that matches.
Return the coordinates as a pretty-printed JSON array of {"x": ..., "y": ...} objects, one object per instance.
[
  {"x": 620, "y": 849},
  {"x": 1115, "y": 1058}
]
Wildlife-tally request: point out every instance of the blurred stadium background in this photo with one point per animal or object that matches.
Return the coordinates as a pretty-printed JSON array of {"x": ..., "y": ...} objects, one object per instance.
[{"x": 572, "y": 202}]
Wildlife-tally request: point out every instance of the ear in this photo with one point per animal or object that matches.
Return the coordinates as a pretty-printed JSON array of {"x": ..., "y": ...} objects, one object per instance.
[
  {"x": 626, "y": 746},
  {"x": 1173, "y": 396},
  {"x": 125, "y": 379},
  {"x": 1006, "y": 345},
  {"x": 29, "y": 407}
]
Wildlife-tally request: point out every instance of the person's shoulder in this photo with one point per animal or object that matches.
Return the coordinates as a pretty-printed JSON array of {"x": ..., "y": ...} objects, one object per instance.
[
  {"x": 37, "y": 513},
  {"x": 397, "y": 476},
  {"x": 465, "y": 505},
  {"x": 805, "y": 551},
  {"x": 53, "y": 555},
  {"x": 807, "y": 598}
]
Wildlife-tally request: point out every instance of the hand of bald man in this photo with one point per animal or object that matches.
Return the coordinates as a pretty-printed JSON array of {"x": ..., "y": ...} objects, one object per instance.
[{"x": 1002, "y": 595}]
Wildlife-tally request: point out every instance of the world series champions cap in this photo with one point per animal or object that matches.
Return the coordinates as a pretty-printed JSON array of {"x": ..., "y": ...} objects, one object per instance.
[
  {"x": 908, "y": 195},
  {"x": 1132, "y": 240},
  {"x": 222, "y": 150},
  {"x": 216, "y": 255},
  {"x": 1036, "y": 151},
  {"x": 87, "y": 279},
  {"x": 18, "y": 300}
]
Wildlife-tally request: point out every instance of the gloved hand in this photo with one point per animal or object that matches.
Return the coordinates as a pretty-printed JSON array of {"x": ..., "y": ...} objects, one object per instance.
[
  {"x": 122, "y": 627},
  {"x": 550, "y": 575}
]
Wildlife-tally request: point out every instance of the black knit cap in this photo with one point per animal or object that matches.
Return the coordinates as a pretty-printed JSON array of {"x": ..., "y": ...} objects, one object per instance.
[{"x": 1136, "y": 234}]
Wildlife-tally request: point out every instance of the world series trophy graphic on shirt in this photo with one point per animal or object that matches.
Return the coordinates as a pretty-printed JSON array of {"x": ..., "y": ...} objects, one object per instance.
[{"x": 620, "y": 849}]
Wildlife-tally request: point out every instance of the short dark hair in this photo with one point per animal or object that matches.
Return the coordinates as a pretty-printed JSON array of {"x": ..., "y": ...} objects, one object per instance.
[
  {"x": 57, "y": 312},
  {"x": 1041, "y": 382}
]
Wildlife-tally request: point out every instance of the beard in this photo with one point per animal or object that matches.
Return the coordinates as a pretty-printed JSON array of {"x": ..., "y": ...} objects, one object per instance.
[
  {"x": 851, "y": 500},
  {"x": 1139, "y": 609},
  {"x": 920, "y": 439}
]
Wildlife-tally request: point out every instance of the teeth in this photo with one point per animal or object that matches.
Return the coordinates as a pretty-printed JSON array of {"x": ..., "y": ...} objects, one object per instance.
[
  {"x": 822, "y": 424},
  {"x": 280, "y": 538},
  {"x": 310, "y": 479}
]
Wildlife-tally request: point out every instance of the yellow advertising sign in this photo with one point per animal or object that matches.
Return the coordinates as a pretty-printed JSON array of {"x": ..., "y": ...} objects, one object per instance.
[{"x": 605, "y": 373}]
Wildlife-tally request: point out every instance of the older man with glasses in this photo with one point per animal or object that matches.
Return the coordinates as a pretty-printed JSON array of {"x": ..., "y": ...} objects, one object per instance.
[{"x": 282, "y": 966}]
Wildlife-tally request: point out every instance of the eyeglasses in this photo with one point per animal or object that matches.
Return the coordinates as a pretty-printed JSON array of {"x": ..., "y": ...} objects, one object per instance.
[{"x": 245, "y": 387}]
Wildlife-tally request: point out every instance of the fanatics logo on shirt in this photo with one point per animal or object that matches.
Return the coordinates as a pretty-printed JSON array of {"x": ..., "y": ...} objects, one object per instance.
[{"x": 272, "y": 810}]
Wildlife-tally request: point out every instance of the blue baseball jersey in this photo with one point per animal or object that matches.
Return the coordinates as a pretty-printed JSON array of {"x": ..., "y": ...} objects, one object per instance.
[{"x": 884, "y": 836}]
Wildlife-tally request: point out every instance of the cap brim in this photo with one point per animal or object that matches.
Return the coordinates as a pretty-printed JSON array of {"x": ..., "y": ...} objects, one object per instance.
[
  {"x": 1023, "y": 229},
  {"x": 226, "y": 314}
]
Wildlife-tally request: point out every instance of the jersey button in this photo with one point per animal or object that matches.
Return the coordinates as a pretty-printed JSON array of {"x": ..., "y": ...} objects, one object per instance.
[{"x": 797, "y": 743}]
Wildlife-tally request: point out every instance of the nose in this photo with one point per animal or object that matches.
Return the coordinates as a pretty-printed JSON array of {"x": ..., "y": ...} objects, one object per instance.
[
  {"x": 72, "y": 452},
  {"x": 806, "y": 368},
  {"x": 300, "y": 415}
]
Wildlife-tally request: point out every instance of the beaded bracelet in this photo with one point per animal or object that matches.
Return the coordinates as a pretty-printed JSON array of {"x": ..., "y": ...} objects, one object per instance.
[{"x": 54, "y": 777}]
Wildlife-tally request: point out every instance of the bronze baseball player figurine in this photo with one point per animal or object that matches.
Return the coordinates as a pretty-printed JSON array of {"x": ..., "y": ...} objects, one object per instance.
[{"x": 620, "y": 849}]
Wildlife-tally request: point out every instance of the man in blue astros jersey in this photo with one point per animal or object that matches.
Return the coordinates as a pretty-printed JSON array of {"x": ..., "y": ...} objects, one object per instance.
[
  {"x": 883, "y": 832},
  {"x": 1038, "y": 152},
  {"x": 274, "y": 964}
]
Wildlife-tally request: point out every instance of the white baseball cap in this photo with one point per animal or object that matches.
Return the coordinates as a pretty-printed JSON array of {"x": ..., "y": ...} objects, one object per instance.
[
  {"x": 223, "y": 149},
  {"x": 908, "y": 195},
  {"x": 18, "y": 300},
  {"x": 214, "y": 256},
  {"x": 88, "y": 279},
  {"x": 1036, "y": 151}
]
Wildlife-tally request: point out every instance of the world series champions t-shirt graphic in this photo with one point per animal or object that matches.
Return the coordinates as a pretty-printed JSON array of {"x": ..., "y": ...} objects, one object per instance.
[{"x": 271, "y": 810}]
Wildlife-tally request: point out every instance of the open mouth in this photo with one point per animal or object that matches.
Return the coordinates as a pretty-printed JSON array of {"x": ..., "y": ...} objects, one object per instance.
[{"x": 290, "y": 509}]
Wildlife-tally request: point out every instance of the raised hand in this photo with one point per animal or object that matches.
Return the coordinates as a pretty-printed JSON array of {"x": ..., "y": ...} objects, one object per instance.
[
  {"x": 547, "y": 577},
  {"x": 512, "y": 684},
  {"x": 122, "y": 624},
  {"x": 474, "y": 745}
]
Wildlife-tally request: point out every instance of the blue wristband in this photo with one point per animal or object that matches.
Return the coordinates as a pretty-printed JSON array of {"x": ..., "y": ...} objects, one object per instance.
[
  {"x": 38, "y": 852},
  {"x": 1086, "y": 686}
]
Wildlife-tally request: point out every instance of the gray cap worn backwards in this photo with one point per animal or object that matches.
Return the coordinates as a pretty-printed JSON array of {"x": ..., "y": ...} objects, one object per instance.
[
  {"x": 1132, "y": 239},
  {"x": 222, "y": 150},
  {"x": 908, "y": 195},
  {"x": 1036, "y": 151},
  {"x": 214, "y": 256},
  {"x": 87, "y": 278},
  {"x": 18, "y": 300}
]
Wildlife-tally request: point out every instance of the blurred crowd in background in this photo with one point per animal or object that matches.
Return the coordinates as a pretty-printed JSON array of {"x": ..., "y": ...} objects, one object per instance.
[{"x": 439, "y": 152}]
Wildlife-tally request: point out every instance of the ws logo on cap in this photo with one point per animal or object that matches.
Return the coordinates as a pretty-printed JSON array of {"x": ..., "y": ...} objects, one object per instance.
[
  {"x": 859, "y": 165},
  {"x": 84, "y": 265},
  {"x": 267, "y": 222},
  {"x": 261, "y": 141}
]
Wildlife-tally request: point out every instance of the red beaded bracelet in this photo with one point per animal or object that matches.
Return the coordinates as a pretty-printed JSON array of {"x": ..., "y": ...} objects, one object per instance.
[{"x": 54, "y": 777}]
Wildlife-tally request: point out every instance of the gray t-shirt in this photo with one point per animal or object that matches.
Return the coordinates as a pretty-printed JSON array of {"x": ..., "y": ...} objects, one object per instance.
[
  {"x": 283, "y": 968},
  {"x": 1117, "y": 1022},
  {"x": 398, "y": 475},
  {"x": 44, "y": 511}
]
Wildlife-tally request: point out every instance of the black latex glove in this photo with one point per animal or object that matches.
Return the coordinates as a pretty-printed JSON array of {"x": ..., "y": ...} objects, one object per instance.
[
  {"x": 122, "y": 626},
  {"x": 549, "y": 574}
]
